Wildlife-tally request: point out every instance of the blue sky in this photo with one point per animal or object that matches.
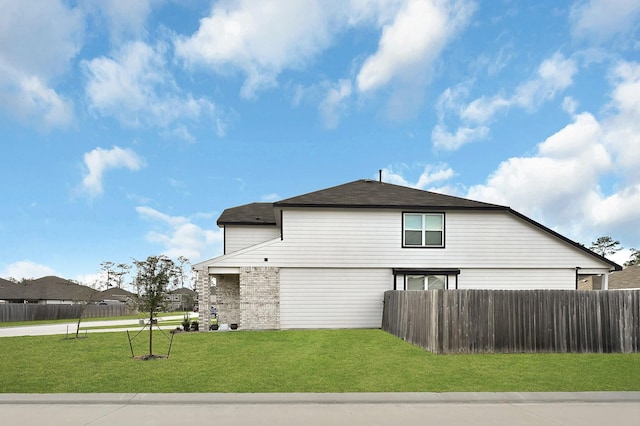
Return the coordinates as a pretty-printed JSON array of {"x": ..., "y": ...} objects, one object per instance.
[{"x": 128, "y": 127}]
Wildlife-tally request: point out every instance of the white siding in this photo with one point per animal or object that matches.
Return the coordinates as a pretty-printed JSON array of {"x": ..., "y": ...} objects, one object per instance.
[
  {"x": 237, "y": 237},
  {"x": 332, "y": 298},
  {"x": 360, "y": 238},
  {"x": 517, "y": 279}
]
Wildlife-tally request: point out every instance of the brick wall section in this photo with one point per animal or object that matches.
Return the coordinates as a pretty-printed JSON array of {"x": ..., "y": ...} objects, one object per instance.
[
  {"x": 259, "y": 298},
  {"x": 228, "y": 294},
  {"x": 203, "y": 287}
]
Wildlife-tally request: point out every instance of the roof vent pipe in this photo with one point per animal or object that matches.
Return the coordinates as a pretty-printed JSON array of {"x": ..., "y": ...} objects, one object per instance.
[{"x": 380, "y": 175}]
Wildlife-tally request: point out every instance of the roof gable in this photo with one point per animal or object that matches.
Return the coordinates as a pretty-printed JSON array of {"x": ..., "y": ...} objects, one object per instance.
[{"x": 367, "y": 193}]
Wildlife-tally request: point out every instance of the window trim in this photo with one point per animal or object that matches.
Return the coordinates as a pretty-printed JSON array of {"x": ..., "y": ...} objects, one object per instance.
[
  {"x": 423, "y": 214},
  {"x": 426, "y": 280},
  {"x": 451, "y": 273}
]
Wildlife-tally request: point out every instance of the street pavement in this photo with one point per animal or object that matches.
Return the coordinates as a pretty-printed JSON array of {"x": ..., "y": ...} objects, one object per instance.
[{"x": 512, "y": 409}]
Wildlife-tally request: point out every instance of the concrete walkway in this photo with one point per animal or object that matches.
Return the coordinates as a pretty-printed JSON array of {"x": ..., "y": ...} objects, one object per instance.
[{"x": 513, "y": 409}]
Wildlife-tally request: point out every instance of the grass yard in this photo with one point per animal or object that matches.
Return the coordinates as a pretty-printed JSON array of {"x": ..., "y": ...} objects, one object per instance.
[{"x": 294, "y": 361}]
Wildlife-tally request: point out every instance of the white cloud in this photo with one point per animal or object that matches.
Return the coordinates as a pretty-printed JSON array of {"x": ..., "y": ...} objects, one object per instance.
[
  {"x": 100, "y": 160},
  {"x": 33, "y": 99},
  {"x": 553, "y": 76},
  {"x": 430, "y": 174},
  {"x": 333, "y": 105},
  {"x": 562, "y": 183},
  {"x": 260, "y": 39},
  {"x": 30, "y": 59},
  {"x": 601, "y": 19},
  {"x": 443, "y": 139},
  {"x": 135, "y": 87},
  {"x": 561, "y": 179},
  {"x": 180, "y": 237},
  {"x": 412, "y": 41},
  {"x": 27, "y": 269},
  {"x": 273, "y": 197},
  {"x": 123, "y": 18}
]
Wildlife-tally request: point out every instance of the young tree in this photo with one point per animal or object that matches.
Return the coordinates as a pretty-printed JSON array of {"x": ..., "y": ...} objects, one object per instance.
[
  {"x": 605, "y": 246},
  {"x": 634, "y": 259},
  {"x": 85, "y": 296},
  {"x": 154, "y": 277}
]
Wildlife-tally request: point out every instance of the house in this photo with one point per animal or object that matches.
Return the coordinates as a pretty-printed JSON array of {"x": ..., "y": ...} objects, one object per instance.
[
  {"x": 119, "y": 295},
  {"x": 49, "y": 290},
  {"x": 181, "y": 299},
  {"x": 628, "y": 278},
  {"x": 324, "y": 259}
]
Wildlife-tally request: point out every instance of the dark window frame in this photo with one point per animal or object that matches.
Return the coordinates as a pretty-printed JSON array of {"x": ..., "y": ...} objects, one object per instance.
[{"x": 424, "y": 213}]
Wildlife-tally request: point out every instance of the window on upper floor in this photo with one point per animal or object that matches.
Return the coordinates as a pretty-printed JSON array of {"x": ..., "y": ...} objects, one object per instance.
[{"x": 423, "y": 230}]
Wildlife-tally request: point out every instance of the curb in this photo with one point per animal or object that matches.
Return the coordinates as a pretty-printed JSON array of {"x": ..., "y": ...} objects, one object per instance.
[{"x": 321, "y": 398}]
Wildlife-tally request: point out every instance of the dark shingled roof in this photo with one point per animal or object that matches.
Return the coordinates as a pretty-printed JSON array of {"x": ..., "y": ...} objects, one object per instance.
[
  {"x": 248, "y": 214},
  {"x": 47, "y": 288},
  {"x": 374, "y": 194}
]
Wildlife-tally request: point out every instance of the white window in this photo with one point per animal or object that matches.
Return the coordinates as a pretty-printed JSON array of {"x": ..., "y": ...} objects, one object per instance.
[
  {"x": 423, "y": 230},
  {"x": 426, "y": 282}
]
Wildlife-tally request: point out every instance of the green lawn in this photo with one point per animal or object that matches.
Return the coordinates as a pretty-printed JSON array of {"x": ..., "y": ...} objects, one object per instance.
[{"x": 294, "y": 361}]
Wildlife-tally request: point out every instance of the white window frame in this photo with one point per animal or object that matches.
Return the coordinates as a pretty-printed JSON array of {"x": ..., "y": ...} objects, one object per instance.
[
  {"x": 425, "y": 281},
  {"x": 423, "y": 230}
]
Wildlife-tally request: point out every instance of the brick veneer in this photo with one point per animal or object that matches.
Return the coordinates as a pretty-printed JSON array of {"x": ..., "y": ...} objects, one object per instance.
[{"x": 260, "y": 298}]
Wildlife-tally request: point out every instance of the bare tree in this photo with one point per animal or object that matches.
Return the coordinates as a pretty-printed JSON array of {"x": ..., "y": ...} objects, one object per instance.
[
  {"x": 180, "y": 273},
  {"x": 107, "y": 268},
  {"x": 121, "y": 271}
]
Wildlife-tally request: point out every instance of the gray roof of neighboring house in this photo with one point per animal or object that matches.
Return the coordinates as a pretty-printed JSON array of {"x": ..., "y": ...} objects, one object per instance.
[
  {"x": 116, "y": 293},
  {"x": 48, "y": 288},
  {"x": 629, "y": 277},
  {"x": 248, "y": 214}
]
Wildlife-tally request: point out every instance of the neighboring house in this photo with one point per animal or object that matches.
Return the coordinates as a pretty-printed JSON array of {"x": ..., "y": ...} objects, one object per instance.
[
  {"x": 117, "y": 294},
  {"x": 181, "y": 299},
  {"x": 6, "y": 289},
  {"x": 48, "y": 291},
  {"x": 628, "y": 278},
  {"x": 325, "y": 259}
]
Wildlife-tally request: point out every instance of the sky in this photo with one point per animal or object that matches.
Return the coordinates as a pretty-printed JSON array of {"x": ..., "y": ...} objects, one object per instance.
[{"x": 127, "y": 127}]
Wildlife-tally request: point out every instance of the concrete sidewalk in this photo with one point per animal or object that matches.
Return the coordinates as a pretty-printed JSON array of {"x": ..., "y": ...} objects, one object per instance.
[{"x": 508, "y": 409}]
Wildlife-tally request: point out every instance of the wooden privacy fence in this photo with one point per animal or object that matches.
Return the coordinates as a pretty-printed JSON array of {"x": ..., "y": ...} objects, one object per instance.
[
  {"x": 508, "y": 321},
  {"x": 33, "y": 312}
]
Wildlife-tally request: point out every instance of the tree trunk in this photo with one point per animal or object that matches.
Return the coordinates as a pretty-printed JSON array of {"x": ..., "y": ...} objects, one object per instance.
[{"x": 151, "y": 332}]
